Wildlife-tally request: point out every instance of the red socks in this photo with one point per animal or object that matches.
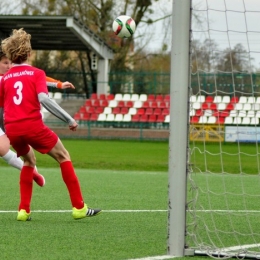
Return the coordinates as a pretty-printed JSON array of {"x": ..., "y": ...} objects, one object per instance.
[
  {"x": 71, "y": 180},
  {"x": 26, "y": 185}
]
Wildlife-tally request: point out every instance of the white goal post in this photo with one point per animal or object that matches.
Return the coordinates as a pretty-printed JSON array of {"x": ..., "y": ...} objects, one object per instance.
[{"x": 214, "y": 151}]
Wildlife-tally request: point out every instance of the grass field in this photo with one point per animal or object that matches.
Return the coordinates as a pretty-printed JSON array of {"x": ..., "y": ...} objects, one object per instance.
[{"x": 128, "y": 180}]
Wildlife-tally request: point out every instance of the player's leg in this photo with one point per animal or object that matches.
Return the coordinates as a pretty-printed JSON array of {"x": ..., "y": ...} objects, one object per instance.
[
  {"x": 80, "y": 209},
  {"x": 11, "y": 158}
]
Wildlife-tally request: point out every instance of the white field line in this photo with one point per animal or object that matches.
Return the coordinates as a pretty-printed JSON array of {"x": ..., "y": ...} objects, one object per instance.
[
  {"x": 160, "y": 257},
  {"x": 136, "y": 211}
]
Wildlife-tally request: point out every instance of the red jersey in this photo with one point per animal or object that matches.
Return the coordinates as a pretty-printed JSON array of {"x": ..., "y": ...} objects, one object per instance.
[{"x": 19, "y": 89}]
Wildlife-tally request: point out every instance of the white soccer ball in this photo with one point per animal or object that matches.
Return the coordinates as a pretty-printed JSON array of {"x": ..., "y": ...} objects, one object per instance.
[{"x": 124, "y": 26}]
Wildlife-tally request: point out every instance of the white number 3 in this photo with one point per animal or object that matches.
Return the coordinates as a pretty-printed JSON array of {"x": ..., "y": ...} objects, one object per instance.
[{"x": 19, "y": 96}]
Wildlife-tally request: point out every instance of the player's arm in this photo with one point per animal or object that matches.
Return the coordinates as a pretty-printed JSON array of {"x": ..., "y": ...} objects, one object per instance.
[
  {"x": 53, "y": 83},
  {"x": 56, "y": 110}
]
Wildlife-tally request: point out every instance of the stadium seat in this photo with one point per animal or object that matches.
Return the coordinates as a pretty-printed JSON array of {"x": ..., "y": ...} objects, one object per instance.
[
  {"x": 201, "y": 98},
  {"x": 116, "y": 110},
  {"x": 121, "y": 103},
  {"x": 99, "y": 110},
  {"x": 151, "y": 97},
  {"x": 246, "y": 121},
  {"x": 157, "y": 111},
  {"x": 167, "y": 98},
  {"x": 90, "y": 110},
  {"x": 160, "y": 118},
  {"x": 165, "y": 111},
  {"x": 162, "y": 104},
  {"x": 193, "y": 99},
  {"x": 234, "y": 100},
  {"x": 104, "y": 103},
  {"x": 238, "y": 106},
  {"x": 247, "y": 106},
  {"x": 96, "y": 103},
  {"x": 242, "y": 113},
  {"x": 226, "y": 99},
  {"x": 167, "y": 119},
  {"x": 224, "y": 113},
  {"x": 88, "y": 103},
  {"x": 257, "y": 100},
  {"x": 208, "y": 112},
  {"x": 124, "y": 110},
  {"x": 94, "y": 96},
  {"x": 220, "y": 120},
  {"x": 237, "y": 121},
  {"x": 86, "y": 116},
  {"x": 205, "y": 106},
  {"x": 212, "y": 120},
  {"x": 159, "y": 97},
  {"x": 146, "y": 104},
  {"x": 129, "y": 103},
  {"x": 251, "y": 100},
  {"x": 118, "y": 97},
  {"x": 228, "y": 120},
  {"x": 107, "y": 110},
  {"x": 102, "y": 117},
  {"x": 140, "y": 111},
  {"x": 230, "y": 106},
  {"x": 135, "y": 118},
  {"x": 148, "y": 111},
  {"x": 199, "y": 112},
  {"x": 254, "y": 121},
  {"x": 152, "y": 118},
  {"x": 138, "y": 104},
  {"x": 251, "y": 113},
  {"x": 118, "y": 118},
  {"x": 126, "y": 97},
  {"x": 213, "y": 106},
  {"x": 112, "y": 103},
  {"x": 257, "y": 115},
  {"x": 203, "y": 120},
  {"x": 255, "y": 106},
  {"x": 242, "y": 100},
  {"x": 143, "y": 118},
  {"x": 143, "y": 97},
  {"x": 93, "y": 117},
  {"x": 217, "y": 99},
  {"x": 233, "y": 113},
  {"x": 127, "y": 118},
  {"x": 221, "y": 106},
  {"x": 154, "y": 104},
  {"x": 196, "y": 105},
  {"x": 132, "y": 111},
  {"x": 110, "y": 96},
  {"x": 209, "y": 99},
  {"x": 192, "y": 112},
  {"x": 194, "y": 119},
  {"x": 102, "y": 96},
  {"x": 110, "y": 117},
  {"x": 134, "y": 97}
]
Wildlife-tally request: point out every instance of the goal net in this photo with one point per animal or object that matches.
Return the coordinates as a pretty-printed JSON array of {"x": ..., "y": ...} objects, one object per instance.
[{"x": 223, "y": 195}]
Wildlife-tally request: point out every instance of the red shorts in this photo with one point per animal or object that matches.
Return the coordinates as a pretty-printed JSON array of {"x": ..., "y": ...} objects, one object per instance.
[{"x": 42, "y": 140}]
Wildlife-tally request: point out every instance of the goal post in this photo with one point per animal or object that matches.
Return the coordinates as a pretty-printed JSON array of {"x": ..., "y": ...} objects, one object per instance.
[{"x": 179, "y": 117}]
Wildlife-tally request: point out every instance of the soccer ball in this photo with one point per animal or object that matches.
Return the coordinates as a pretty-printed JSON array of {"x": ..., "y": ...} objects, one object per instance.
[{"x": 124, "y": 26}]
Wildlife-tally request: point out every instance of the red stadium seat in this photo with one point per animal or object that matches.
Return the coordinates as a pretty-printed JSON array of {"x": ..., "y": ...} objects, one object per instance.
[
  {"x": 86, "y": 117},
  {"x": 94, "y": 96},
  {"x": 146, "y": 104},
  {"x": 162, "y": 104},
  {"x": 234, "y": 100},
  {"x": 160, "y": 118},
  {"x": 88, "y": 103},
  {"x": 93, "y": 117},
  {"x": 194, "y": 119},
  {"x": 102, "y": 96},
  {"x": 154, "y": 104},
  {"x": 121, "y": 103},
  {"x": 135, "y": 118},
  {"x": 167, "y": 98},
  {"x": 110, "y": 96},
  {"x": 99, "y": 110},
  {"x": 96, "y": 102},
  {"x": 159, "y": 97},
  {"x": 129, "y": 103},
  {"x": 157, "y": 111},
  {"x": 143, "y": 118},
  {"x": 148, "y": 111},
  {"x": 103, "y": 103},
  {"x": 152, "y": 118},
  {"x": 165, "y": 111},
  {"x": 151, "y": 97},
  {"x": 90, "y": 110},
  {"x": 209, "y": 99},
  {"x": 116, "y": 110},
  {"x": 124, "y": 110},
  {"x": 140, "y": 111}
]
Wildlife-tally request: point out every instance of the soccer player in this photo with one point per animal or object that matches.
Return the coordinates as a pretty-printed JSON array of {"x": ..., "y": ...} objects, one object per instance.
[
  {"x": 22, "y": 90},
  {"x": 8, "y": 155}
]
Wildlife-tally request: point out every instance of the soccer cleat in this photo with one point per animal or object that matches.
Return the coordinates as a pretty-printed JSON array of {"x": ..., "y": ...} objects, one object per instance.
[
  {"x": 23, "y": 215},
  {"x": 85, "y": 212},
  {"x": 38, "y": 178}
]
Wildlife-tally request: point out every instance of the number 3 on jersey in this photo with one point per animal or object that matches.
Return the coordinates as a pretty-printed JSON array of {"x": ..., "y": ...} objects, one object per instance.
[{"x": 19, "y": 96}]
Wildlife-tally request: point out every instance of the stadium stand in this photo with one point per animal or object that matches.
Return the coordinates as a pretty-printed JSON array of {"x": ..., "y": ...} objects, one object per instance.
[{"x": 153, "y": 108}]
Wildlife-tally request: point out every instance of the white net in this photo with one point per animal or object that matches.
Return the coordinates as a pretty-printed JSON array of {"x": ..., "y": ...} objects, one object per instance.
[{"x": 223, "y": 210}]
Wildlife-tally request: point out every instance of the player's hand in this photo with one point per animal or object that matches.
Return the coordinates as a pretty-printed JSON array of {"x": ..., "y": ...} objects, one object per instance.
[
  {"x": 74, "y": 126},
  {"x": 67, "y": 84}
]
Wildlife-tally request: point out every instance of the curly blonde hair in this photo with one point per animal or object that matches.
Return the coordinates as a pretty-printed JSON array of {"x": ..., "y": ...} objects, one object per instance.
[{"x": 18, "y": 46}]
